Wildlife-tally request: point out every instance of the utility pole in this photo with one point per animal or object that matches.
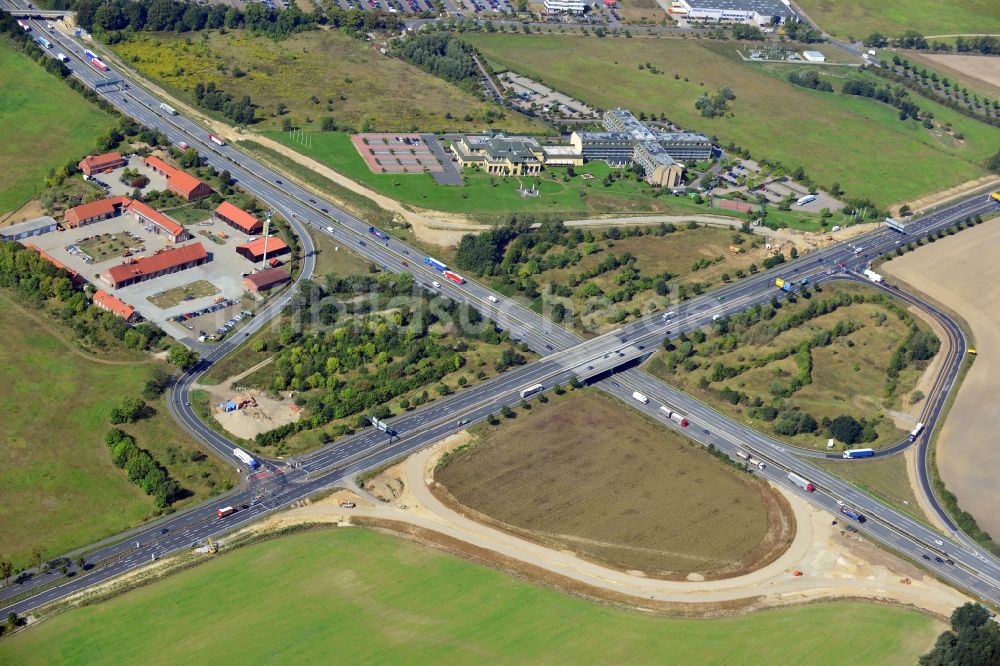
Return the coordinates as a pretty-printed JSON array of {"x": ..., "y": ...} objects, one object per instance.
[{"x": 267, "y": 227}]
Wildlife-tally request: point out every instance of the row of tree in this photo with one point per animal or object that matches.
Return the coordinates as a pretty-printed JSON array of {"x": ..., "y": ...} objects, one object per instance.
[
  {"x": 810, "y": 79},
  {"x": 141, "y": 468},
  {"x": 897, "y": 97},
  {"x": 441, "y": 54},
  {"x": 911, "y": 39}
]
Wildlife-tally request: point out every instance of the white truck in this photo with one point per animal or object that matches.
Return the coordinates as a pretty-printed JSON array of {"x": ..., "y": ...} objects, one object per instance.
[
  {"x": 804, "y": 484},
  {"x": 676, "y": 417},
  {"x": 62, "y": 57},
  {"x": 168, "y": 109},
  {"x": 750, "y": 460},
  {"x": 641, "y": 397}
]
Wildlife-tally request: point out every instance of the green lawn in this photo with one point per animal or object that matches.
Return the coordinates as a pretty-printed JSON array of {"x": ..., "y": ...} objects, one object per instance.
[
  {"x": 859, "y": 143},
  {"x": 860, "y": 18},
  {"x": 314, "y": 74},
  {"x": 43, "y": 124},
  {"x": 58, "y": 486},
  {"x": 354, "y": 596}
]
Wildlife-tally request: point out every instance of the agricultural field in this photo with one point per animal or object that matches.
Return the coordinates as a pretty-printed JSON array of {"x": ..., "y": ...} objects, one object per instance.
[
  {"x": 844, "y": 354},
  {"x": 858, "y": 142},
  {"x": 859, "y": 18},
  {"x": 593, "y": 278},
  {"x": 369, "y": 597},
  {"x": 313, "y": 75},
  {"x": 641, "y": 11},
  {"x": 43, "y": 125},
  {"x": 582, "y": 473},
  {"x": 364, "y": 344},
  {"x": 58, "y": 486}
]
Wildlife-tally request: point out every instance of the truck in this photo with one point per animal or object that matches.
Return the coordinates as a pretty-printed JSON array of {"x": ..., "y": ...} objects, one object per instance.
[
  {"x": 168, "y": 109},
  {"x": 246, "y": 458},
  {"x": 532, "y": 390},
  {"x": 183, "y": 145},
  {"x": 895, "y": 225},
  {"x": 44, "y": 43},
  {"x": 995, "y": 197},
  {"x": 378, "y": 233},
  {"x": 454, "y": 277},
  {"x": 851, "y": 454},
  {"x": 216, "y": 139},
  {"x": 226, "y": 511},
  {"x": 676, "y": 417},
  {"x": 809, "y": 198},
  {"x": 435, "y": 264},
  {"x": 851, "y": 513},
  {"x": 873, "y": 276},
  {"x": 750, "y": 460},
  {"x": 24, "y": 25},
  {"x": 96, "y": 62},
  {"x": 641, "y": 397},
  {"x": 915, "y": 432},
  {"x": 89, "y": 54},
  {"x": 784, "y": 285},
  {"x": 804, "y": 484},
  {"x": 62, "y": 57}
]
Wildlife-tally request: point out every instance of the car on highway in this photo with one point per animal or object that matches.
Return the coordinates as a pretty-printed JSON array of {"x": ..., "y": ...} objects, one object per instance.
[
  {"x": 939, "y": 542},
  {"x": 362, "y": 243},
  {"x": 278, "y": 181},
  {"x": 616, "y": 384},
  {"x": 938, "y": 560},
  {"x": 549, "y": 347},
  {"x": 404, "y": 264},
  {"x": 312, "y": 200},
  {"x": 324, "y": 210}
]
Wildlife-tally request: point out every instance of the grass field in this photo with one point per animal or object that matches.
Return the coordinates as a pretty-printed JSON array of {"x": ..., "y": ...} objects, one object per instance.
[
  {"x": 848, "y": 375},
  {"x": 58, "y": 486},
  {"x": 43, "y": 124},
  {"x": 349, "y": 80},
  {"x": 860, "y": 18},
  {"x": 185, "y": 292},
  {"x": 582, "y": 472},
  {"x": 857, "y": 142},
  {"x": 106, "y": 246},
  {"x": 372, "y": 598},
  {"x": 333, "y": 257}
]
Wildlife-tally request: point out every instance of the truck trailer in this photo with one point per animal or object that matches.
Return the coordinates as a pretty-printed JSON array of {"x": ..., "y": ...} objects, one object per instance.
[
  {"x": 873, "y": 276},
  {"x": 216, "y": 139},
  {"x": 641, "y": 397},
  {"x": 24, "y": 25},
  {"x": 676, "y": 417},
  {"x": 168, "y": 109},
  {"x": 532, "y": 390},
  {"x": 851, "y": 513},
  {"x": 454, "y": 277},
  {"x": 226, "y": 511},
  {"x": 435, "y": 264},
  {"x": 809, "y": 198},
  {"x": 916, "y": 432},
  {"x": 784, "y": 285},
  {"x": 750, "y": 459},
  {"x": 246, "y": 458},
  {"x": 858, "y": 453},
  {"x": 804, "y": 484},
  {"x": 96, "y": 62},
  {"x": 378, "y": 233}
]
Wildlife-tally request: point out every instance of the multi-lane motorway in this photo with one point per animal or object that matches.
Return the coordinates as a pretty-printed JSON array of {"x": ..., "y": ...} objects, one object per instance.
[{"x": 564, "y": 356}]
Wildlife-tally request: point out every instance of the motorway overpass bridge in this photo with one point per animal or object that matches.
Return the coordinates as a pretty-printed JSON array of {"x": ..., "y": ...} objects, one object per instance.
[
  {"x": 42, "y": 13},
  {"x": 562, "y": 353}
]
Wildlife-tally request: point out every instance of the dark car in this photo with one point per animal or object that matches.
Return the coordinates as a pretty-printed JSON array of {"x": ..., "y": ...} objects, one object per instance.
[
  {"x": 951, "y": 562},
  {"x": 362, "y": 243},
  {"x": 279, "y": 182},
  {"x": 616, "y": 384},
  {"x": 324, "y": 210},
  {"x": 312, "y": 201},
  {"x": 927, "y": 557},
  {"x": 405, "y": 265},
  {"x": 938, "y": 560},
  {"x": 549, "y": 347}
]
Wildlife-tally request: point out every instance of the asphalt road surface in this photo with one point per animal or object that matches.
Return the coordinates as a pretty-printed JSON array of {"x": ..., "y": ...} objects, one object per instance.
[{"x": 564, "y": 356}]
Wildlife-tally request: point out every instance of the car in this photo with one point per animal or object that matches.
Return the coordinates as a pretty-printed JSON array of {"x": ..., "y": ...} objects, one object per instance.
[
  {"x": 641, "y": 347},
  {"x": 312, "y": 201},
  {"x": 705, "y": 431},
  {"x": 667, "y": 332},
  {"x": 938, "y": 560},
  {"x": 616, "y": 384},
  {"x": 164, "y": 530},
  {"x": 549, "y": 347},
  {"x": 362, "y": 243},
  {"x": 926, "y": 556},
  {"x": 590, "y": 367},
  {"x": 939, "y": 542},
  {"x": 722, "y": 298},
  {"x": 623, "y": 339},
  {"x": 278, "y": 181},
  {"x": 951, "y": 562},
  {"x": 324, "y": 210},
  {"x": 404, "y": 264}
]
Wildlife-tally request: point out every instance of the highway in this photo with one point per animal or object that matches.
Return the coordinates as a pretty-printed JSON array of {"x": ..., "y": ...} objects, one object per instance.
[{"x": 564, "y": 356}]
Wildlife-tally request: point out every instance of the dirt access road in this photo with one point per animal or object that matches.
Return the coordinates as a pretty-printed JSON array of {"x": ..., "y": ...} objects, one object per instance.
[
  {"x": 834, "y": 564},
  {"x": 963, "y": 273}
]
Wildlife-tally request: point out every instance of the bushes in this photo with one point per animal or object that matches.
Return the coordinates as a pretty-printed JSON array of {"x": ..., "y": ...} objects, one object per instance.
[
  {"x": 810, "y": 79},
  {"x": 141, "y": 468}
]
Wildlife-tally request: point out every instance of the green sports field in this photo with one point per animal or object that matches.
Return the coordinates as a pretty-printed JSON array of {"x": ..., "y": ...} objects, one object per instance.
[
  {"x": 857, "y": 142},
  {"x": 352, "y": 596},
  {"x": 43, "y": 124},
  {"x": 860, "y": 18}
]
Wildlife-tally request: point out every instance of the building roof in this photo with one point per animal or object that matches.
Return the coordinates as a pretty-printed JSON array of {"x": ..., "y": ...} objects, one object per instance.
[
  {"x": 158, "y": 218},
  {"x": 176, "y": 178},
  {"x": 96, "y": 161},
  {"x": 560, "y": 151},
  {"x": 237, "y": 216},
  {"x": 762, "y": 7},
  {"x": 166, "y": 259},
  {"x": 105, "y": 300},
  {"x": 27, "y": 226},
  {"x": 682, "y": 137},
  {"x": 266, "y": 279},
  {"x": 256, "y": 247},
  {"x": 97, "y": 208}
]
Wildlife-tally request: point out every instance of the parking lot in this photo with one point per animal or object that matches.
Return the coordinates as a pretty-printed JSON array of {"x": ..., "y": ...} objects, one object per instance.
[
  {"x": 224, "y": 272},
  {"x": 528, "y": 93}
]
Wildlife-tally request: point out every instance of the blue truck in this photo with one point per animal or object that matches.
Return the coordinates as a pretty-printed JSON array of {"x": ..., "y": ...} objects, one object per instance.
[
  {"x": 434, "y": 263},
  {"x": 851, "y": 513},
  {"x": 376, "y": 232},
  {"x": 858, "y": 453}
]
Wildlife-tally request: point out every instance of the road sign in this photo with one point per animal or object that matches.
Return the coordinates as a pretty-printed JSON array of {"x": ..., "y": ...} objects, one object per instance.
[{"x": 379, "y": 424}]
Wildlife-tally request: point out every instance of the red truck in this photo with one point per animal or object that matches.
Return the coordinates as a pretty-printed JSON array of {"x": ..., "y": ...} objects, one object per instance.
[{"x": 226, "y": 511}]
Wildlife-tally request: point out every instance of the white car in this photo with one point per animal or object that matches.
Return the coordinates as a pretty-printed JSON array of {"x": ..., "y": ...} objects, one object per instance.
[
  {"x": 716, "y": 317},
  {"x": 435, "y": 284},
  {"x": 493, "y": 299}
]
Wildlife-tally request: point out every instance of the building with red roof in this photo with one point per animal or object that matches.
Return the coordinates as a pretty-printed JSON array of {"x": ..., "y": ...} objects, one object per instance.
[
  {"x": 95, "y": 211},
  {"x": 238, "y": 218},
  {"x": 106, "y": 301},
  {"x": 179, "y": 182},
  {"x": 163, "y": 262},
  {"x": 99, "y": 163},
  {"x": 254, "y": 250},
  {"x": 265, "y": 280},
  {"x": 155, "y": 221}
]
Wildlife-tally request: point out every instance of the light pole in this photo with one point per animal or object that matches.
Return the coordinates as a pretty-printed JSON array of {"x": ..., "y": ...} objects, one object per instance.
[{"x": 267, "y": 227}]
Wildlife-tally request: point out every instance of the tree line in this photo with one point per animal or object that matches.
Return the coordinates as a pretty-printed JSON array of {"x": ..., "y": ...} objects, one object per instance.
[
  {"x": 442, "y": 54},
  {"x": 241, "y": 111},
  {"x": 926, "y": 83},
  {"x": 141, "y": 468},
  {"x": 973, "y": 639},
  {"x": 810, "y": 79},
  {"x": 911, "y": 39},
  {"x": 897, "y": 97}
]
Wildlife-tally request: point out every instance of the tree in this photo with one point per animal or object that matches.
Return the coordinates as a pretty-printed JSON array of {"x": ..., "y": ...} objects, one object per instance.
[
  {"x": 972, "y": 640},
  {"x": 81, "y": 563},
  {"x": 6, "y": 569},
  {"x": 182, "y": 357},
  {"x": 506, "y": 412},
  {"x": 846, "y": 429},
  {"x": 37, "y": 555},
  {"x": 130, "y": 411},
  {"x": 329, "y": 124}
]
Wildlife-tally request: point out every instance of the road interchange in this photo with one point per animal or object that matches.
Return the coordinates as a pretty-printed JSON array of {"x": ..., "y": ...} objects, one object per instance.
[{"x": 563, "y": 357}]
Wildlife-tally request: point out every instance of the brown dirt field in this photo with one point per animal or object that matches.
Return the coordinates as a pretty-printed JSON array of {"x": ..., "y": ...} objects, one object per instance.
[
  {"x": 980, "y": 71},
  {"x": 967, "y": 456},
  {"x": 583, "y": 474}
]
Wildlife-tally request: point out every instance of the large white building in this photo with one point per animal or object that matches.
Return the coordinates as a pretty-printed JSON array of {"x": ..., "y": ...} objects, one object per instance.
[
  {"x": 565, "y": 6},
  {"x": 757, "y": 12}
]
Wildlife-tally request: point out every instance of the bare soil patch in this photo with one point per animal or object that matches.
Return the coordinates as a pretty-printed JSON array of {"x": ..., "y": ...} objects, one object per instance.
[
  {"x": 981, "y": 69},
  {"x": 963, "y": 273},
  {"x": 261, "y": 412},
  {"x": 586, "y": 475}
]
